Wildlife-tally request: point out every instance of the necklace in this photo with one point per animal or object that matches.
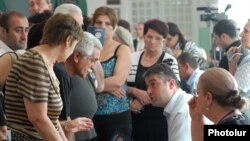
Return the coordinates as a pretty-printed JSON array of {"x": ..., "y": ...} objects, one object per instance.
[{"x": 227, "y": 114}]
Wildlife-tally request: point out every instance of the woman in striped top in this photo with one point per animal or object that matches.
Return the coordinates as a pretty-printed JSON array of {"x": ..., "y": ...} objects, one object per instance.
[{"x": 33, "y": 102}]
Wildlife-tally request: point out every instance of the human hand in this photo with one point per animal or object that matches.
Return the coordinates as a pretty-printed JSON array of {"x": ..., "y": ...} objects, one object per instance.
[
  {"x": 120, "y": 92},
  {"x": 79, "y": 124},
  {"x": 233, "y": 54},
  {"x": 136, "y": 106},
  {"x": 193, "y": 108},
  {"x": 142, "y": 96}
]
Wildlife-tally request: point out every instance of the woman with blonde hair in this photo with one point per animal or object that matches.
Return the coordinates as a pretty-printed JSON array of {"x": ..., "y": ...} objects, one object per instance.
[{"x": 218, "y": 100}]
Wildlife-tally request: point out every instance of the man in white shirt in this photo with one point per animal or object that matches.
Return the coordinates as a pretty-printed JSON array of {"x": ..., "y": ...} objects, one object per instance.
[
  {"x": 164, "y": 91},
  {"x": 189, "y": 70},
  {"x": 139, "y": 41},
  {"x": 14, "y": 29}
]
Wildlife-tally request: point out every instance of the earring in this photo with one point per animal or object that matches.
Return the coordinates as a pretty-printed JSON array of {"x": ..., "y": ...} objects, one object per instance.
[{"x": 207, "y": 109}]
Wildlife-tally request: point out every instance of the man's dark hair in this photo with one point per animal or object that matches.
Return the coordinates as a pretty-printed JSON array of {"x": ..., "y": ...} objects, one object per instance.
[
  {"x": 226, "y": 26},
  {"x": 5, "y": 17},
  {"x": 188, "y": 58},
  {"x": 164, "y": 71}
]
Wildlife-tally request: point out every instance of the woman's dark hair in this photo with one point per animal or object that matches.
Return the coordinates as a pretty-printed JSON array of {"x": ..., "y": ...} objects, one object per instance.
[
  {"x": 156, "y": 25},
  {"x": 174, "y": 30}
]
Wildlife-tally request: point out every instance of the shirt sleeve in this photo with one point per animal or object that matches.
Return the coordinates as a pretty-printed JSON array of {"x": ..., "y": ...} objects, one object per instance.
[
  {"x": 242, "y": 77},
  {"x": 33, "y": 79}
]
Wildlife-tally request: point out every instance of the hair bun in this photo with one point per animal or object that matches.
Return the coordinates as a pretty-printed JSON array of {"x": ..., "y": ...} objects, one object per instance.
[{"x": 232, "y": 93}]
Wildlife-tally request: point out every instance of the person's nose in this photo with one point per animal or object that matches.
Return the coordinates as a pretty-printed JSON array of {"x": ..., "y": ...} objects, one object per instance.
[
  {"x": 149, "y": 91},
  {"x": 24, "y": 35},
  {"x": 241, "y": 34},
  {"x": 103, "y": 25},
  {"x": 35, "y": 7}
]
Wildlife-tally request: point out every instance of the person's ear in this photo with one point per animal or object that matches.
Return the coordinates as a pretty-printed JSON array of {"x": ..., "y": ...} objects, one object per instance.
[
  {"x": 209, "y": 99},
  {"x": 68, "y": 41},
  {"x": 76, "y": 56},
  {"x": 223, "y": 36},
  {"x": 3, "y": 32},
  {"x": 171, "y": 83},
  {"x": 187, "y": 66},
  {"x": 163, "y": 43},
  {"x": 50, "y": 6}
]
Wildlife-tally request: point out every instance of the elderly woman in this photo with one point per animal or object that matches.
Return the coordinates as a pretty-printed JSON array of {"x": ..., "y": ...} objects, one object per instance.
[
  {"x": 33, "y": 86},
  {"x": 123, "y": 36},
  {"x": 241, "y": 71},
  {"x": 219, "y": 100},
  {"x": 113, "y": 112},
  {"x": 148, "y": 121}
]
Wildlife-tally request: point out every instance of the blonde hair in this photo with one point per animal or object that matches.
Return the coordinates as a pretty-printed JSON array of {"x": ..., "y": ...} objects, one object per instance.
[
  {"x": 124, "y": 35},
  {"x": 223, "y": 87}
]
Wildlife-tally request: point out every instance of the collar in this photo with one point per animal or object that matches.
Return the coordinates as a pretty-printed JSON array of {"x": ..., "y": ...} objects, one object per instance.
[
  {"x": 235, "y": 43},
  {"x": 192, "y": 77},
  {"x": 4, "y": 47},
  {"x": 172, "y": 102}
]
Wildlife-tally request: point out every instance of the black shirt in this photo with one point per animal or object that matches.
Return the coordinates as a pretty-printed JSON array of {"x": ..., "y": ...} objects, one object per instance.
[
  {"x": 224, "y": 62},
  {"x": 64, "y": 79},
  {"x": 236, "y": 120}
]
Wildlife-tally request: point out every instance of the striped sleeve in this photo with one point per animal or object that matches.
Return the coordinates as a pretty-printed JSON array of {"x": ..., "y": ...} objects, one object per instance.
[
  {"x": 174, "y": 64},
  {"x": 33, "y": 78}
]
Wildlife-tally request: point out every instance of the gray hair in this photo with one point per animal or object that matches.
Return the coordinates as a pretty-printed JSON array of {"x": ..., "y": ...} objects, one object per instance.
[
  {"x": 68, "y": 8},
  {"x": 87, "y": 44},
  {"x": 124, "y": 35}
]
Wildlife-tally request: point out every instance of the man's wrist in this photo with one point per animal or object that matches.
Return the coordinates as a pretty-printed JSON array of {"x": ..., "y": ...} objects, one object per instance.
[{"x": 66, "y": 128}]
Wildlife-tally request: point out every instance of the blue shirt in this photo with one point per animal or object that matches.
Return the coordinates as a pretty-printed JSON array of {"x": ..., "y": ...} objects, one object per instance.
[
  {"x": 108, "y": 103},
  {"x": 193, "y": 80}
]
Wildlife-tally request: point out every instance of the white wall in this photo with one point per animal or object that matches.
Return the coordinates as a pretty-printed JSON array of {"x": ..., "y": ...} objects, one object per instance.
[
  {"x": 93, "y": 4},
  {"x": 239, "y": 11}
]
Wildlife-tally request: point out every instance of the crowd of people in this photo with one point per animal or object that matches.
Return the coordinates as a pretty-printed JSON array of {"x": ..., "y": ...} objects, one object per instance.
[{"x": 60, "y": 82}]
